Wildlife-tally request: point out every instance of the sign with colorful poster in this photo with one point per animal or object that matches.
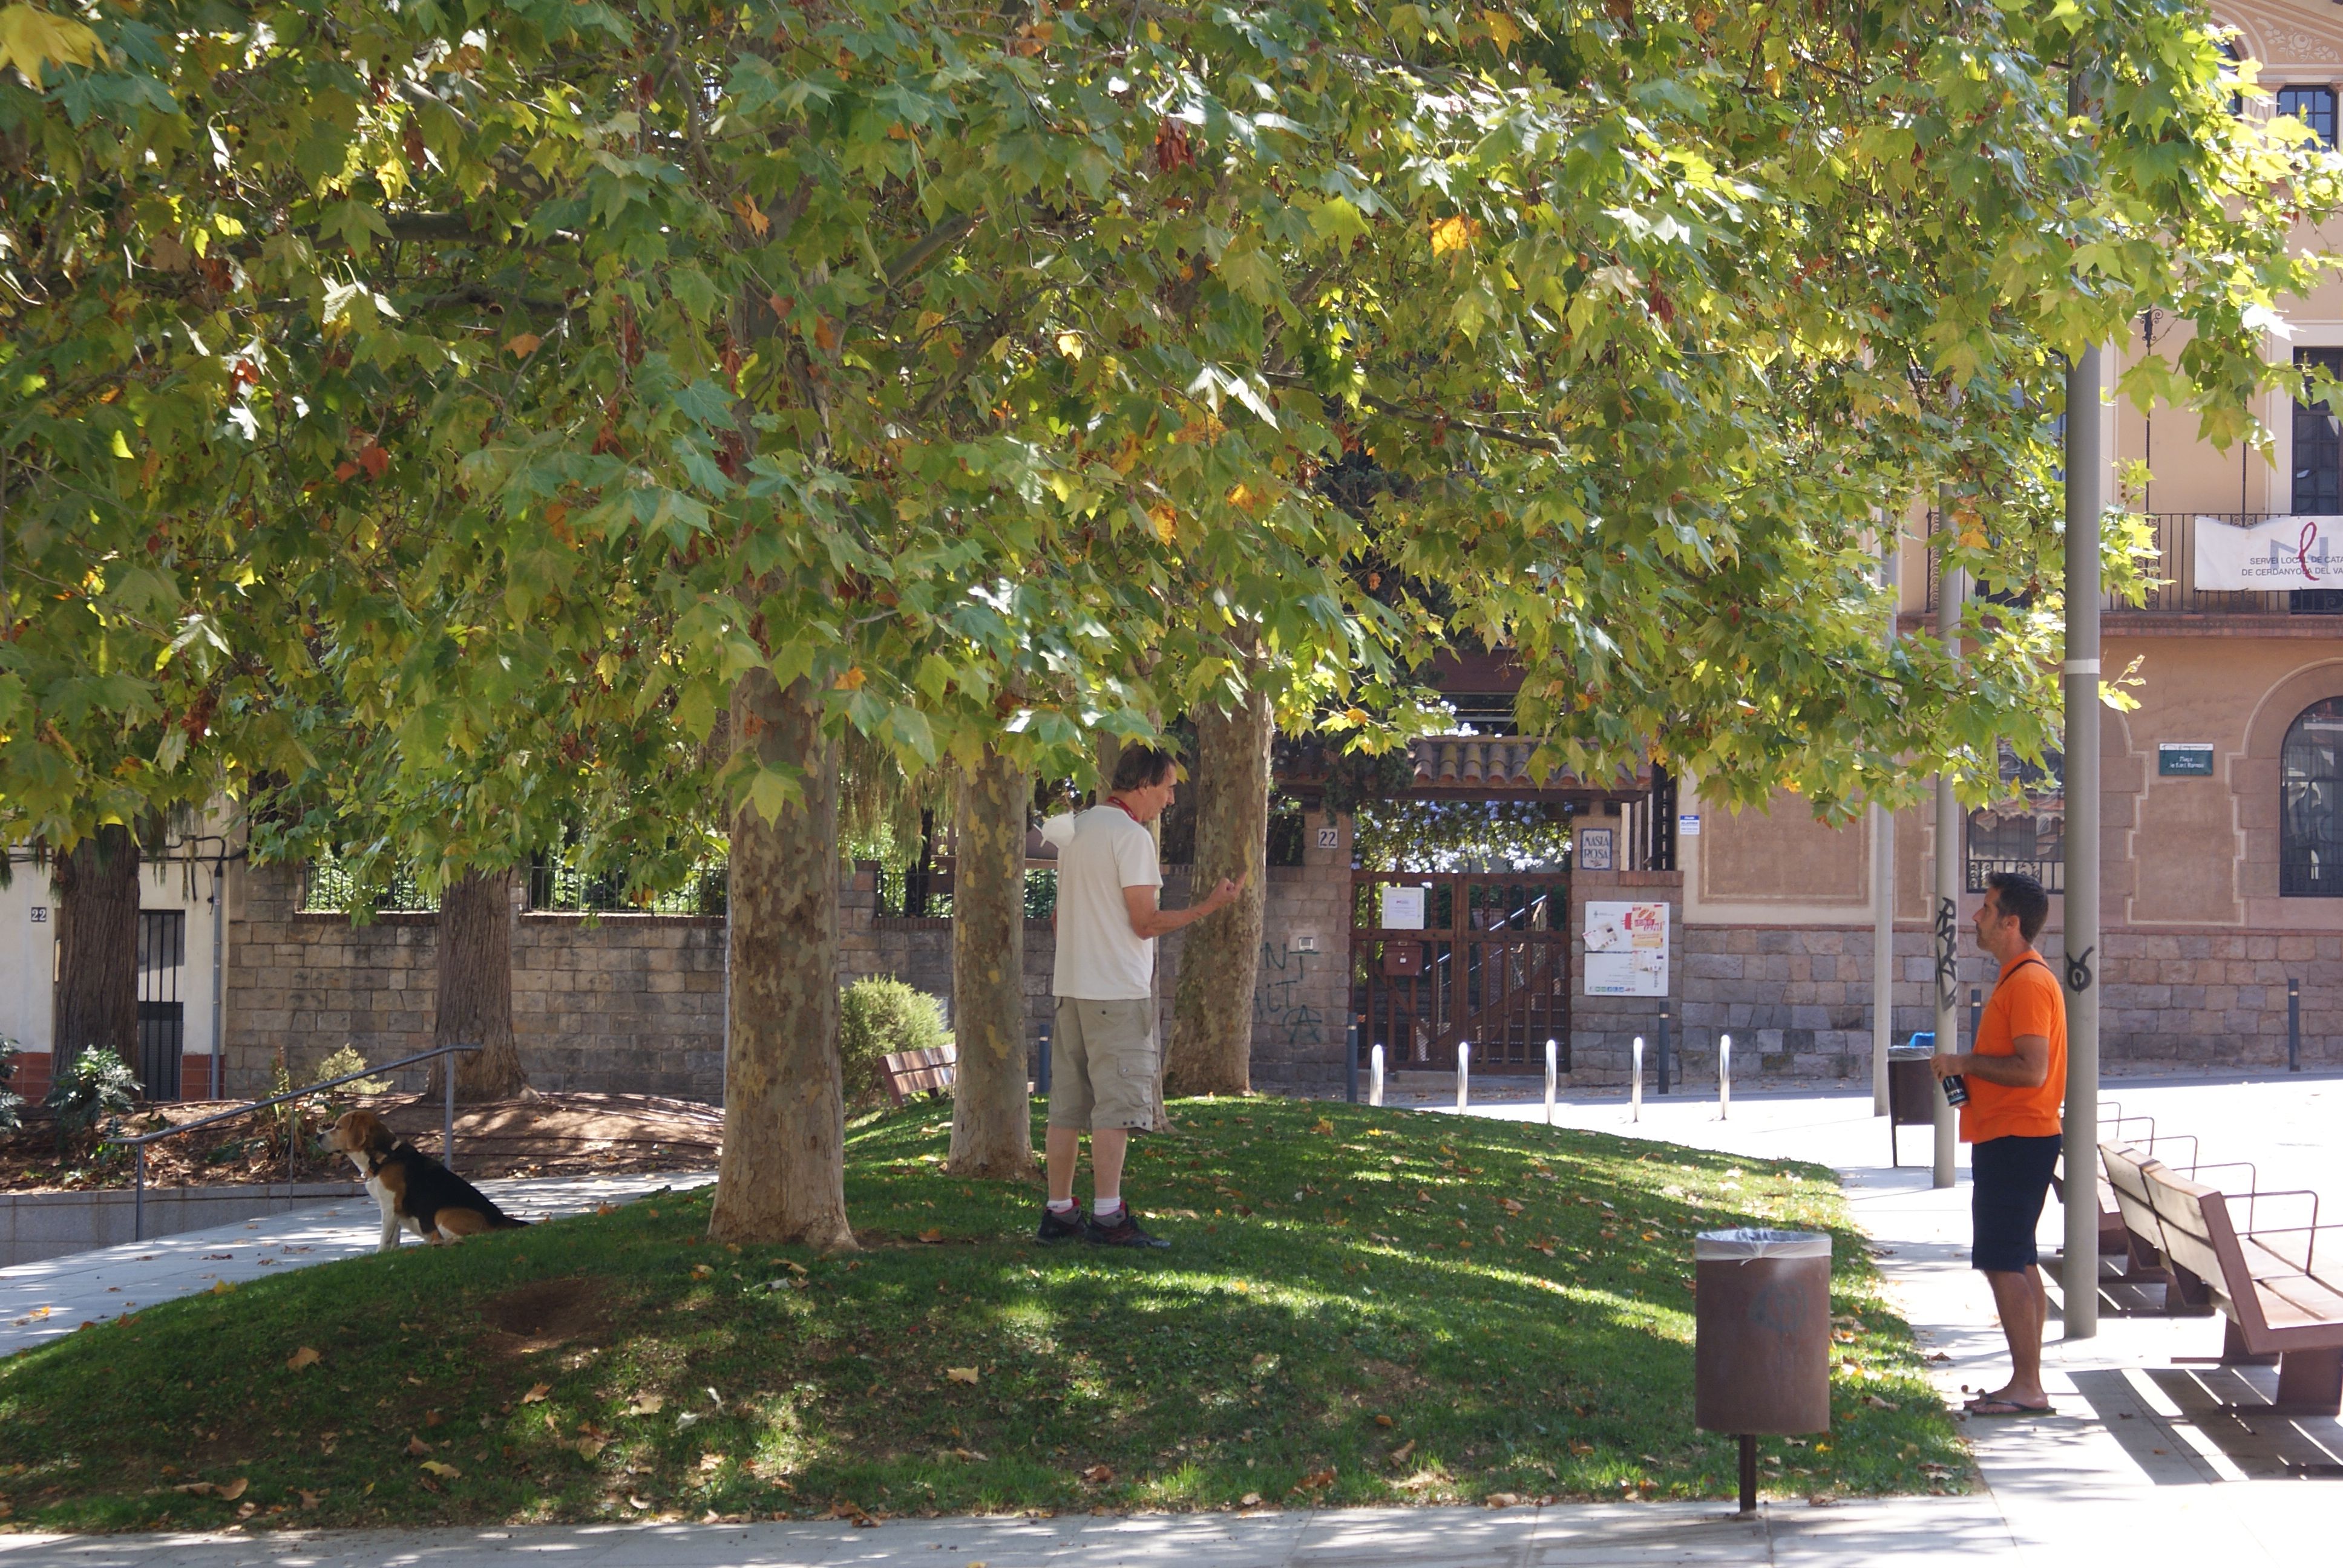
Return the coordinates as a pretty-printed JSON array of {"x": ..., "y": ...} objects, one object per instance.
[
  {"x": 2282, "y": 553},
  {"x": 1626, "y": 949}
]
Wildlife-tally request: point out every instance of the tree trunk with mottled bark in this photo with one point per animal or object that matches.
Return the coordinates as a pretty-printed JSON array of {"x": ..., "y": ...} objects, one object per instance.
[
  {"x": 781, "y": 1177},
  {"x": 992, "y": 1114},
  {"x": 97, "y": 929},
  {"x": 1211, "y": 1050},
  {"x": 474, "y": 961}
]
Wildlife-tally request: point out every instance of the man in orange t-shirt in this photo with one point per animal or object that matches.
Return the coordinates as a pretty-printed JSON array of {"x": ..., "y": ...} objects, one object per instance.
[{"x": 2017, "y": 1080}]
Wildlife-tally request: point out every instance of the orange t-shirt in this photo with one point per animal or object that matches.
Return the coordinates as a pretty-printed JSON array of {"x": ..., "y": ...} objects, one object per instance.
[{"x": 2026, "y": 1000}]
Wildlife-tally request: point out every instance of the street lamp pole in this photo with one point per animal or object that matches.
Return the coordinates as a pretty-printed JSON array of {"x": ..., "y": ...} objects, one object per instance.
[
  {"x": 2085, "y": 480},
  {"x": 1952, "y": 588},
  {"x": 1883, "y": 867}
]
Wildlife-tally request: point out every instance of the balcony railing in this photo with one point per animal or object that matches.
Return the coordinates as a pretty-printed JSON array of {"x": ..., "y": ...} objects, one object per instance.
[{"x": 2174, "y": 565}]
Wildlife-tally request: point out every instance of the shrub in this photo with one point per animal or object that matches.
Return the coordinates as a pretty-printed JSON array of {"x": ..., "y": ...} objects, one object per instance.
[
  {"x": 347, "y": 1059},
  {"x": 91, "y": 1095},
  {"x": 12, "y": 1105},
  {"x": 878, "y": 1017}
]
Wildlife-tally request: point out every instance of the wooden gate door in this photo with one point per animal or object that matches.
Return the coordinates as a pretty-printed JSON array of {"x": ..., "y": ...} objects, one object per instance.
[{"x": 1438, "y": 958}]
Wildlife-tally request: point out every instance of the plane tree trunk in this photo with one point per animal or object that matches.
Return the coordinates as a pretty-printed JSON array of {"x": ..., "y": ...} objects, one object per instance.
[
  {"x": 782, "y": 1176},
  {"x": 1220, "y": 956},
  {"x": 97, "y": 929},
  {"x": 474, "y": 947},
  {"x": 993, "y": 1117}
]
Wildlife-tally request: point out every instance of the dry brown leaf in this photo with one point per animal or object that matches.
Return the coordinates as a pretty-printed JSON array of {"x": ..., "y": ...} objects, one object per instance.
[
  {"x": 1513, "y": 1205},
  {"x": 960, "y": 1375},
  {"x": 1875, "y": 1402},
  {"x": 308, "y": 1498},
  {"x": 712, "y": 1462},
  {"x": 1250, "y": 1500},
  {"x": 634, "y": 1501},
  {"x": 1314, "y": 1480},
  {"x": 1099, "y": 1474},
  {"x": 1504, "y": 1499},
  {"x": 606, "y": 1208},
  {"x": 591, "y": 1447},
  {"x": 235, "y": 1489},
  {"x": 432, "y": 1418},
  {"x": 537, "y": 1393},
  {"x": 646, "y": 1404},
  {"x": 702, "y": 1271},
  {"x": 415, "y": 1447},
  {"x": 197, "y": 1488},
  {"x": 1383, "y": 1421},
  {"x": 931, "y": 1234},
  {"x": 247, "y": 1510},
  {"x": 303, "y": 1357},
  {"x": 523, "y": 345},
  {"x": 1399, "y": 1455},
  {"x": 437, "y": 1467}
]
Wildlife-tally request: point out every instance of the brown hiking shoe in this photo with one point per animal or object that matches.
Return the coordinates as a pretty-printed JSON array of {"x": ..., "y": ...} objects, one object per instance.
[{"x": 1122, "y": 1231}]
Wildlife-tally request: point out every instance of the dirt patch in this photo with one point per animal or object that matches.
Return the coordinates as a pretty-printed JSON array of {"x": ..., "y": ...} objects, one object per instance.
[
  {"x": 543, "y": 1315},
  {"x": 550, "y": 1135}
]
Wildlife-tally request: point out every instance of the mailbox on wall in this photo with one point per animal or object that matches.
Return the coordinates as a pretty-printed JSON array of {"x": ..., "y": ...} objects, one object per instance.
[{"x": 1403, "y": 959}]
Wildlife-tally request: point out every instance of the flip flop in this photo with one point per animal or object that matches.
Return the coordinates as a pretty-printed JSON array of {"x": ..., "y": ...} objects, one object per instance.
[{"x": 2006, "y": 1407}]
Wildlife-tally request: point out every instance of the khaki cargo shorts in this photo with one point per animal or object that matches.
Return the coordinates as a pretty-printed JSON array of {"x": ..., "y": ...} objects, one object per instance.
[{"x": 1102, "y": 1064}]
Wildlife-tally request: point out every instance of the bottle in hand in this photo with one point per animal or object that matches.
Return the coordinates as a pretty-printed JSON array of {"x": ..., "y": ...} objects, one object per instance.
[{"x": 1956, "y": 1088}]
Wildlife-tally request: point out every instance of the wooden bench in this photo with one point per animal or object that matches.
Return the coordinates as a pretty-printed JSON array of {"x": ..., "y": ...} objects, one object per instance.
[
  {"x": 909, "y": 1072},
  {"x": 2143, "y": 1243},
  {"x": 2267, "y": 1281}
]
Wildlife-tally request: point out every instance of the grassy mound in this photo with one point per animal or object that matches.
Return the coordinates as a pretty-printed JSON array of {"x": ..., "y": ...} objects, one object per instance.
[{"x": 1361, "y": 1306}]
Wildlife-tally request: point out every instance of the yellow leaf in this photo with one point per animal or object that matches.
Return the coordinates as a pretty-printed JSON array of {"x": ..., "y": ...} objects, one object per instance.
[
  {"x": 588, "y": 1447},
  {"x": 646, "y": 1404},
  {"x": 1504, "y": 32},
  {"x": 222, "y": 1287},
  {"x": 523, "y": 345},
  {"x": 852, "y": 679},
  {"x": 537, "y": 1393},
  {"x": 960, "y": 1375},
  {"x": 437, "y": 1468},
  {"x": 751, "y": 215},
  {"x": 303, "y": 1357},
  {"x": 1322, "y": 1125},
  {"x": 1070, "y": 344},
  {"x": 1450, "y": 235},
  {"x": 32, "y": 40},
  {"x": 1166, "y": 521}
]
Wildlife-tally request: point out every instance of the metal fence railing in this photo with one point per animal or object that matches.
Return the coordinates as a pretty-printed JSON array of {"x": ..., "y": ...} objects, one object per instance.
[
  {"x": 557, "y": 889},
  {"x": 137, "y": 1145},
  {"x": 2172, "y": 575}
]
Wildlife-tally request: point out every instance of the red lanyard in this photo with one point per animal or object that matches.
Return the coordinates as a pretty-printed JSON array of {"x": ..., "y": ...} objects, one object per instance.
[{"x": 1116, "y": 801}]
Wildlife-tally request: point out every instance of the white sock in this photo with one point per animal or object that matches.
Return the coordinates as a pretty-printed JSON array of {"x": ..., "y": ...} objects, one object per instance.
[
  {"x": 1106, "y": 1208},
  {"x": 1062, "y": 1205}
]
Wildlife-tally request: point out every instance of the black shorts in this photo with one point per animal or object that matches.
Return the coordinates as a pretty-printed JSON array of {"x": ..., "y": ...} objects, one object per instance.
[{"x": 2009, "y": 1182}]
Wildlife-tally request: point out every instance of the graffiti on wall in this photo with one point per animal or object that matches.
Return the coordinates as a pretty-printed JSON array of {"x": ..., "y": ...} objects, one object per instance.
[{"x": 1279, "y": 1004}]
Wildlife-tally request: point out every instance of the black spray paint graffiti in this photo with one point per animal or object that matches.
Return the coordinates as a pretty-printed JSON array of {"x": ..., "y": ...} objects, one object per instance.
[{"x": 1277, "y": 1002}]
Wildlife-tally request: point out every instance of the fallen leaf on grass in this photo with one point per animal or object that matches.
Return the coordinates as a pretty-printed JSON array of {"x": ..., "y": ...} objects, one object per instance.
[
  {"x": 1504, "y": 1499},
  {"x": 702, "y": 1271},
  {"x": 1099, "y": 1474},
  {"x": 1383, "y": 1421},
  {"x": 537, "y": 1393},
  {"x": 710, "y": 1461},
  {"x": 308, "y": 1498},
  {"x": 235, "y": 1489},
  {"x": 415, "y": 1447},
  {"x": 1250, "y": 1500},
  {"x": 1314, "y": 1480},
  {"x": 646, "y": 1404},
  {"x": 966, "y": 1453},
  {"x": 606, "y": 1208},
  {"x": 303, "y": 1357},
  {"x": 1399, "y": 1455},
  {"x": 1513, "y": 1205},
  {"x": 1875, "y": 1402},
  {"x": 1322, "y": 1125},
  {"x": 437, "y": 1468},
  {"x": 590, "y": 1447},
  {"x": 960, "y": 1375},
  {"x": 931, "y": 1234},
  {"x": 634, "y": 1501}
]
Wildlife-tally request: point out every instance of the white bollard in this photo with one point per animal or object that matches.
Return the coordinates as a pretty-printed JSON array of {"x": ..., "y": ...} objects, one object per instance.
[
  {"x": 1376, "y": 1086},
  {"x": 1464, "y": 1072},
  {"x": 1635, "y": 1084},
  {"x": 1551, "y": 1058},
  {"x": 1723, "y": 1076}
]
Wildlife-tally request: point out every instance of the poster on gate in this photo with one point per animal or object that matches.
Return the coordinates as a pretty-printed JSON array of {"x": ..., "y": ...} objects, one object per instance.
[
  {"x": 1626, "y": 949},
  {"x": 2281, "y": 553}
]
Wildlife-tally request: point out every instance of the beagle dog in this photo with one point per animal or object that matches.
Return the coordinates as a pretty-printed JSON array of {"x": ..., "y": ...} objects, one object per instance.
[{"x": 414, "y": 1189}]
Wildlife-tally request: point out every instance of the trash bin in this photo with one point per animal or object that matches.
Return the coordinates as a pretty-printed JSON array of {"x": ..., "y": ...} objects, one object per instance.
[
  {"x": 1761, "y": 1354},
  {"x": 1911, "y": 1088}
]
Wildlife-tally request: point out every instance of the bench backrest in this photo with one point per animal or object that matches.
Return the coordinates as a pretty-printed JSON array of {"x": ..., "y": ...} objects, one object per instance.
[
  {"x": 919, "y": 1071},
  {"x": 2199, "y": 1237},
  {"x": 2127, "y": 1167}
]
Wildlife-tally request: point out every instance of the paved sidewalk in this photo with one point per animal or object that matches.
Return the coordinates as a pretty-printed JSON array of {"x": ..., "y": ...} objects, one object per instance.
[{"x": 54, "y": 1296}]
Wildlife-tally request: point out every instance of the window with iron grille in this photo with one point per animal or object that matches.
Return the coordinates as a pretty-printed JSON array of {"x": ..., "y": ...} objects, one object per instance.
[
  {"x": 2310, "y": 778},
  {"x": 2317, "y": 444},
  {"x": 2314, "y": 106}
]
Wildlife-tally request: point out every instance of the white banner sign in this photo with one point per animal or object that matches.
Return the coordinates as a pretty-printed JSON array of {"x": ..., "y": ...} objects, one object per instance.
[
  {"x": 1626, "y": 949},
  {"x": 2282, "y": 553}
]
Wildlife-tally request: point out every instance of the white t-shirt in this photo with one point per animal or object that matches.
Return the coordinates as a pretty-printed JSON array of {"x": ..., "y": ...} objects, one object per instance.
[{"x": 1102, "y": 851}]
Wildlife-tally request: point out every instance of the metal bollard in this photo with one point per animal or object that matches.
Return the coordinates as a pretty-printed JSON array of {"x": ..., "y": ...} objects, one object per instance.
[
  {"x": 1044, "y": 1076},
  {"x": 1375, "y": 1083},
  {"x": 1464, "y": 1072},
  {"x": 1723, "y": 1076},
  {"x": 1664, "y": 1051},
  {"x": 2294, "y": 1026},
  {"x": 1552, "y": 1058},
  {"x": 447, "y": 1121},
  {"x": 1635, "y": 1083},
  {"x": 1351, "y": 1066}
]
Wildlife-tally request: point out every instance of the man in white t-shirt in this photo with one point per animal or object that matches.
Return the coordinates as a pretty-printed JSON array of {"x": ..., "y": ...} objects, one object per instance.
[{"x": 1104, "y": 1052}]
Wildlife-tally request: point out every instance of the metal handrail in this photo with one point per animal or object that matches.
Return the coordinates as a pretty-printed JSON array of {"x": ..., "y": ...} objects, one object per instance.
[{"x": 138, "y": 1144}]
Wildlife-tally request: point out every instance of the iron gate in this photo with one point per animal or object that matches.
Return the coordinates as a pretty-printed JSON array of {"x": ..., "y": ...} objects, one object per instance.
[
  {"x": 1489, "y": 963},
  {"x": 162, "y": 1015}
]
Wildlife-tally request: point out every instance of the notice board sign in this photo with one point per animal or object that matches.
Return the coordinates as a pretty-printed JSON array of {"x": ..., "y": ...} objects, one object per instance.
[
  {"x": 1626, "y": 949},
  {"x": 2184, "y": 759},
  {"x": 1402, "y": 908}
]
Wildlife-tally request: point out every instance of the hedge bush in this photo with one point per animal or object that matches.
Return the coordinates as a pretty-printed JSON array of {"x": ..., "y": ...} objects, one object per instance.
[{"x": 879, "y": 1017}]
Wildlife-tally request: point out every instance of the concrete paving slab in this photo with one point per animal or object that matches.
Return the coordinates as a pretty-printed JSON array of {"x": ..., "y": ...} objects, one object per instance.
[{"x": 53, "y": 1297}]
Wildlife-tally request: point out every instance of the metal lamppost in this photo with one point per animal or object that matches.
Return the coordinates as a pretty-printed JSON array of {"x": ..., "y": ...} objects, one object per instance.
[
  {"x": 1952, "y": 588},
  {"x": 1883, "y": 870},
  {"x": 2086, "y": 479}
]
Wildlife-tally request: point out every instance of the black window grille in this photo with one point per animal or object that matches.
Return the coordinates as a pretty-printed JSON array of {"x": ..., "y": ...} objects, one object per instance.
[
  {"x": 162, "y": 1012},
  {"x": 2025, "y": 831},
  {"x": 2310, "y": 778},
  {"x": 2319, "y": 444},
  {"x": 2314, "y": 106}
]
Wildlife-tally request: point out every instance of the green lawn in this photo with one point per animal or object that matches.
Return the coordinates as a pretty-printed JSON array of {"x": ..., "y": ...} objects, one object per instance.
[{"x": 1359, "y": 1306}]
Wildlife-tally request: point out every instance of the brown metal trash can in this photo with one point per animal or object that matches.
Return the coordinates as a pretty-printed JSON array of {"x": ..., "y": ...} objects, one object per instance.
[{"x": 1761, "y": 1354}]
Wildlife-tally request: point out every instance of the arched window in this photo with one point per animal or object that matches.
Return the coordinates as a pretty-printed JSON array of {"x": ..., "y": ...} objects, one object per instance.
[{"x": 2311, "y": 804}]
